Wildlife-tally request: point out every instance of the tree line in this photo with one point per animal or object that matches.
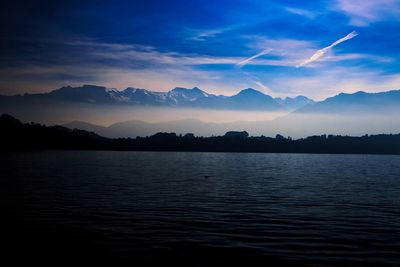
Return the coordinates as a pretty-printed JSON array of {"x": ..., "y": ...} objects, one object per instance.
[{"x": 15, "y": 135}]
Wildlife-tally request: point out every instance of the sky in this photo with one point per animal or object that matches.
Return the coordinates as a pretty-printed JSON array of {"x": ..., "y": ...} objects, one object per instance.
[{"x": 283, "y": 48}]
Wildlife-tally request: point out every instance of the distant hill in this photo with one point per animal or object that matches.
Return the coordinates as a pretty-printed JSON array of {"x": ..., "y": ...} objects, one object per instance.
[
  {"x": 247, "y": 99},
  {"x": 135, "y": 128},
  {"x": 15, "y": 135}
]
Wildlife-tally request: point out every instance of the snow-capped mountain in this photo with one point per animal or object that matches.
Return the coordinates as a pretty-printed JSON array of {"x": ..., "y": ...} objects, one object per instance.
[{"x": 248, "y": 99}]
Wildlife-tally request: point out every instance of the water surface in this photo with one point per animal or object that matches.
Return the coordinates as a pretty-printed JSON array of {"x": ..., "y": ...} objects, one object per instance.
[{"x": 157, "y": 207}]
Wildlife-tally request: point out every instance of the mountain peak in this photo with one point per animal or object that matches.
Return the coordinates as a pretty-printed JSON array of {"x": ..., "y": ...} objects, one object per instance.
[
  {"x": 360, "y": 93},
  {"x": 248, "y": 91},
  {"x": 252, "y": 93},
  {"x": 180, "y": 93}
]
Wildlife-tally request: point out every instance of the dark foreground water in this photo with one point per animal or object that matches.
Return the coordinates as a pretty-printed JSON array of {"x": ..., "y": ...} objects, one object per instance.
[{"x": 157, "y": 208}]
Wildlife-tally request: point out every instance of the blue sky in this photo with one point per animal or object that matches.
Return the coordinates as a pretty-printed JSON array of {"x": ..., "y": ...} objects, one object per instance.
[{"x": 158, "y": 45}]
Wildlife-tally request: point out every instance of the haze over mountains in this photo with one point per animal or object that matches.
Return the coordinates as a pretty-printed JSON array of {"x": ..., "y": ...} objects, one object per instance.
[
  {"x": 127, "y": 112},
  {"x": 16, "y": 135}
]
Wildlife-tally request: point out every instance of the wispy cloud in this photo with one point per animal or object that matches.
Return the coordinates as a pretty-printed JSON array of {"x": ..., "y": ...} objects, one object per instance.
[
  {"x": 320, "y": 53},
  {"x": 301, "y": 12},
  {"x": 205, "y": 34},
  {"x": 247, "y": 60},
  {"x": 143, "y": 56},
  {"x": 364, "y": 12}
]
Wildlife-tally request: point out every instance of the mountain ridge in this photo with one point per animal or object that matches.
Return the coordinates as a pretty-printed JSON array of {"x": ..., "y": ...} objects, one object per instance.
[
  {"x": 359, "y": 101},
  {"x": 246, "y": 99}
]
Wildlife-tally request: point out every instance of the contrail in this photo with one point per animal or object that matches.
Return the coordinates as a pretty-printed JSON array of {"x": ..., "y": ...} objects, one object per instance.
[
  {"x": 254, "y": 79},
  {"x": 263, "y": 86},
  {"x": 247, "y": 60},
  {"x": 320, "y": 53}
]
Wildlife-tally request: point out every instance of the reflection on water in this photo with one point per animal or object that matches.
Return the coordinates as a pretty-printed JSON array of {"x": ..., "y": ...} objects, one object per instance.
[{"x": 158, "y": 208}]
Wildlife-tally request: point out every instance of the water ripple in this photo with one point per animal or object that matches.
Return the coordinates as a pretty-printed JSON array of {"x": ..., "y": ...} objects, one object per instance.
[{"x": 253, "y": 210}]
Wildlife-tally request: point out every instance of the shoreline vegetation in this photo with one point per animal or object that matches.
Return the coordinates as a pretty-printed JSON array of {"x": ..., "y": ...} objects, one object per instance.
[{"x": 15, "y": 135}]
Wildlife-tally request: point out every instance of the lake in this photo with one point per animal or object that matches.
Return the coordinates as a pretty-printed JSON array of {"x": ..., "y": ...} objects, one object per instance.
[{"x": 201, "y": 209}]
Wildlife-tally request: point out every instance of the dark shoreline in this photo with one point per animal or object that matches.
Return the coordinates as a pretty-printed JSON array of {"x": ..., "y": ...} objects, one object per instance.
[{"x": 15, "y": 136}]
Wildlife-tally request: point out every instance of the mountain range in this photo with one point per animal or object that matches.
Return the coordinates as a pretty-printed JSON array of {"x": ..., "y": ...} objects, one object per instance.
[
  {"x": 247, "y": 99},
  {"x": 78, "y": 107}
]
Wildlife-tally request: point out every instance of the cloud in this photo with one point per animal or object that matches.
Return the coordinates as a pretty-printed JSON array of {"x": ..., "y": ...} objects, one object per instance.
[
  {"x": 364, "y": 12},
  {"x": 320, "y": 53},
  {"x": 204, "y": 34},
  {"x": 301, "y": 12},
  {"x": 133, "y": 55},
  {"x": 247, "y": 60}
]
